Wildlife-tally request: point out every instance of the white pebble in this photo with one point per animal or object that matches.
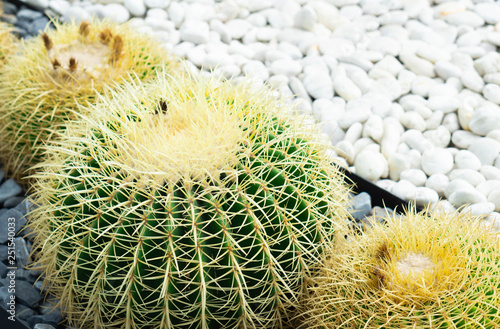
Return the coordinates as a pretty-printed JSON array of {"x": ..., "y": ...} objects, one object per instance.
[
  {"x": 490, "y": 172},
  {"x": 490, "y": 185},
  {"x": 465, "y": 159},
  {"x": 438, "y": 183},
  {"x": 434, "y": 121},
  {"x": 346, "y": 150},
  {"x": 485, "y": 119},
  {"x": 374, "y": 128},
  {"x": 345, "y": 88},
  {"x": 286, "y": 67},
  {"x": 135, "y": 7},
  {"x": 370, "y": 165},
  {"x": 425, "y": 196},
  {"x": 486, "y": 149},
  {"x": 444, "y": 104},
  {"x": 318, "y": 84},
  {"x": 446, "y": 69},
  {"x": 404, "y": 189},
  {"x": 494, "y": 197},
  {"x": 256, "y": 69},
  {"x": 416, "y": 176},
  {"x": 305, "y": 18},
  {"x": 78, "y": 14},
  {"x": 479, "y": 209},
  {"x": 397, "y": 164},
  {"x": 196, "y": 32},
  {"x": 238, "y": 28},
  {"x": 417, "y": 65},
  {"x": 388, "y": 86},
  {"x": 439, "y": 137},
  {"x": 490, "y": 12},
  {"x": 471, "y": 176},
  {"x": 157, "y": 3},
  {"x": 391, "y": 137},
  {"x": 437, "y": 161},
  {"x": 175, "y": 12},
  {"x": 472, "y": 80},
  {"x": 492, "y": 93},
  {"x": 465, "y": 18},
  {"x": 463, "y": 139}
]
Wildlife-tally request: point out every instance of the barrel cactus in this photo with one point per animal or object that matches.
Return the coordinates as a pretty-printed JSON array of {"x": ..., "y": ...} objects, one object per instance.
[
  {"x": 184, "y": 203},
  {"x": 63, "y": 67},
  {"x": 8, "y": 41},
  {"x": 426, "y": 270}
]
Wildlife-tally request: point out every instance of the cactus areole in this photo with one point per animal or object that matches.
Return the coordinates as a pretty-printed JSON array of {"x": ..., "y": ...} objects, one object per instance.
[{"x": 184, "y": 203}]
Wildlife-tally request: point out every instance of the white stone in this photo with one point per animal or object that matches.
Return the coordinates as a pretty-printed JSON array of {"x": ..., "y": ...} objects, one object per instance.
[
  {"x": 425, "y": 196},
  {"x": 157, "y": 3},
  {"x": 438, "y": 183},
  {"x": 387, "y": 86},
  {"x": 228, "y": 71},
  {"x": 446, "y": 69},
  {"x": 485, "y": 119},
  {"x": 354, "y": 132},
  {"x": 464, "y": 197},
  {"x": 463, "y": 139},
  {"x": 196, "y": 32},
  {"x": 490, "y": 172},
  {"x": 397, "y": 164},
  {"x": 436, "y": 161},
  {"x": 221, "y": 28},
  {"x": 415, "y": 159},
  {"x": 450, "y": 121},
  {"x": 417, "y": 65},
  {"x": 157, "y": 13},
  {"x": 494, "y": 197},
  {"x": 490, "y": 185},
  {"x": 298, "y": 89},
  {"x": 391, "y": 137},
  {"x": 489, "y": 63},
  {"x": 175, "y": 13},
  {"x": 416, "y": 140},
  {"x": 286, "y": 67},
  {"x": 43, "y": 4},
  {"x": 493, "y": 38},
  {"x": 492, "y": 93},
  {"x": 370, "y": 165},
  {"x": 404, "y": 189},
  {"x": 332, "y": 130},
  {"x": 434, "y": 121},
  {"x": 346, "y": 150},
  {"x": 472, "y": 80},
  {"x": 305, "y": 18},
  {"x": 159, "y": 24},
  {"x": 456, "y": 185},
  {"x": 116, "y": 12},
  {"x": 479, "y": 209},
  {"x": 384, "y": 44},
  {"x": 238, "y": 28},
  {"x": 490, "y": 12},
  {"x": 356, "y": 111},
  {"x": 413, "y": 120},
  {"x": 197, "y": 55},
  {"x": 473, "y": 177},
  {"x": 346, "y": 88},
  {"x": 494, "y": 134},
  {"x": 416, "y": 176},
  {"x": 492, "y": 78},
  {"x": 374, "y": 128},
  {"x": 390, "y": 64},
  {"x": 135, "y": 7},
  {"x": 75, "y": 13},
  {"x": 327, "y": 14},
  {"x": 421, "y": 85},
  {"x": 445, "y": 104},
  {"x": 256, "y": 69},
  {"x": 465, "y": 159},
  {"x": 486, "y": 149},
  {"x": 465, "y": 18},
  {"x": 257, "y": 5},
  {"x": 59, "y": 6},
  {"x": 380, "y": 103},
  {"x": 439, "y": 137},
  {"x": 318, "y": 84},
  {"x": 359, "y": 77}
]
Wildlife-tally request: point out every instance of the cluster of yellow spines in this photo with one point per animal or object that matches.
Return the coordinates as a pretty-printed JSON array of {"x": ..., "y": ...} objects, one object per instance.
[
  {"x": 421, "y": 270},
  {"x": 53, "y": 74},
  {"x": 7, "y": 40}
]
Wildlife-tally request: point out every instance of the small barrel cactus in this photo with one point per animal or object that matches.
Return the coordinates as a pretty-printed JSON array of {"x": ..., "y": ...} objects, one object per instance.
[
  {"x": 8, "y": 41},
  {"x": 63, "y": 67},
  {"x": 424, "y": 270},
  {"x": 184, "y": 203}
]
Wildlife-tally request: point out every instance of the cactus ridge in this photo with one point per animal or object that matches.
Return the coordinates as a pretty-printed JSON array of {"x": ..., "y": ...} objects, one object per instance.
[
  {"x": 425, "y": 270},
  {"x": 186, "y": 204},
  {"x": 61, "y": 68}
]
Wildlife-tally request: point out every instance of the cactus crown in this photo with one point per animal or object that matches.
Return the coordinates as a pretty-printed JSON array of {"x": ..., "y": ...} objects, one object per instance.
[
  {"x": 60, "y": 69},
  {"x": 91, "y": 55},
  {"x": 429, "y": 269},
  {"x": 188, "y": 203}
]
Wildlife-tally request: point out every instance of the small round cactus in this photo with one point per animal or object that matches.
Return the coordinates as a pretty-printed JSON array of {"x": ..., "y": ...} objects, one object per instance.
[
  {"x": 423, "y": 270},
  {"x": 59, "y": 69},
  {"x": 185, "y": 203}
]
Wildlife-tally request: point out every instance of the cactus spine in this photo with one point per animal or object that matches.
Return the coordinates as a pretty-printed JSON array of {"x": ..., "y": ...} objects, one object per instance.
[
  {"x": 184, "y": 203},
  {"x": 58, "y": 70},
  {"x": 426, "y": 270}
]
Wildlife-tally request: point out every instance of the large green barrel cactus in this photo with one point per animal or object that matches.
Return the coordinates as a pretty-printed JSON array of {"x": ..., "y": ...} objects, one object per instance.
[
  {"x": 43, "y": 84},
  {"x": 424, "y": 270},
  {"x": 184, "y": 203}
]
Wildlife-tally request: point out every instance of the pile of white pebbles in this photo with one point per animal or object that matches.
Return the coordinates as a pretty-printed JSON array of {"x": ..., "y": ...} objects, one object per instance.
[{"x": 407, "y": 90}]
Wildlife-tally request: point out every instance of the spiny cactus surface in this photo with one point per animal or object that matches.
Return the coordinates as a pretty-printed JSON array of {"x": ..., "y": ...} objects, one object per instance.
[
  {"x": 42, "y": 85},
  {"x": 184, "y": 203},
  {"x": 425, "y": 270}
]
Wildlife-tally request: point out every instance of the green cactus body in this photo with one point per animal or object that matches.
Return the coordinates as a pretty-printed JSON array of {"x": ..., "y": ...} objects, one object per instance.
[
  {"x": 185, "y": 203},
  {"x": 425, "y": 270},
  {"x": 59, "y": 70}
]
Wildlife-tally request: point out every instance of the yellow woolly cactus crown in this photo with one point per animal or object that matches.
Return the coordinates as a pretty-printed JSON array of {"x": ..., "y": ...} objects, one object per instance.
[
  {"x": 60, "y": 69},
  {"x": 422, "y": 270}
]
